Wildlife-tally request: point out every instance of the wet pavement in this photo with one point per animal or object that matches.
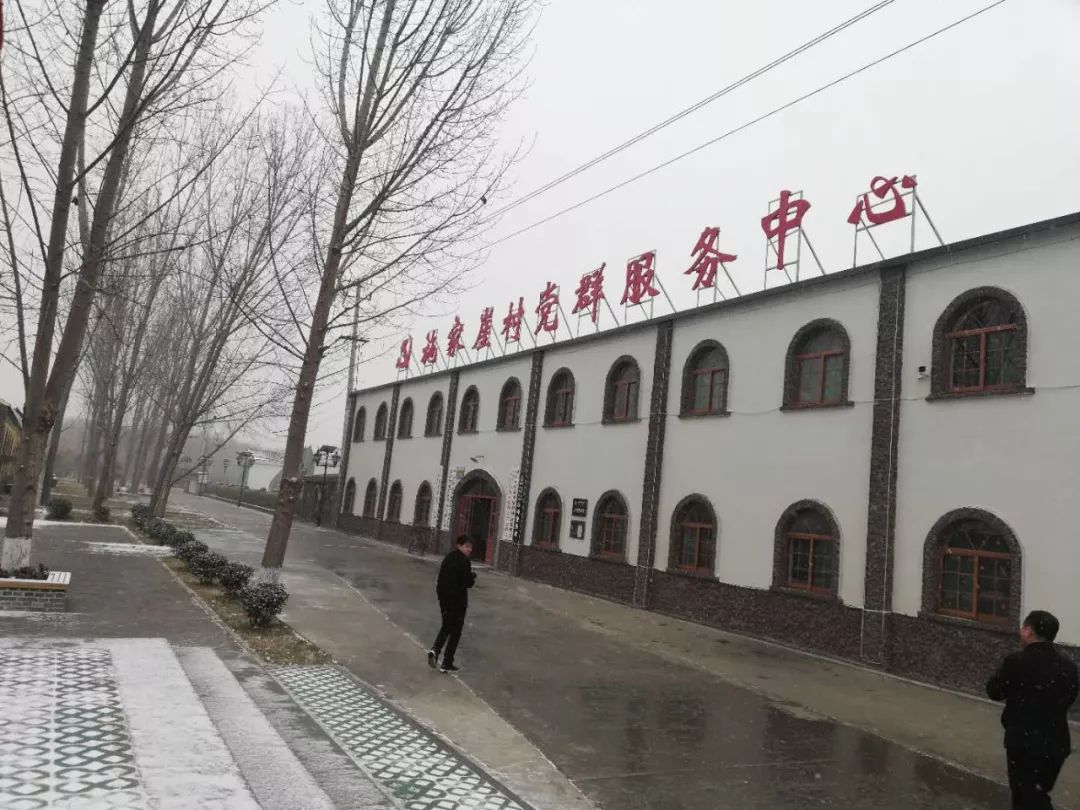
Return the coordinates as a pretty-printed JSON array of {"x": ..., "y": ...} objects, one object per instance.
[{"x": 630, "y": 728}]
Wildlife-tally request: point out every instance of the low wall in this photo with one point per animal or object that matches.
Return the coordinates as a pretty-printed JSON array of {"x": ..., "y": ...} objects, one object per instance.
[{"x": 37, "y": 595}]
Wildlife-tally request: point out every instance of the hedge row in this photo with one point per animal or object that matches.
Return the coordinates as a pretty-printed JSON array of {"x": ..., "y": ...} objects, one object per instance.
[{"x": 261, "y": 601}]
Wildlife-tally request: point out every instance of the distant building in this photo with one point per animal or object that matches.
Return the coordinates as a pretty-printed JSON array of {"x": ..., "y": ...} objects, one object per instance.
[{"x": 10, "y": 435}]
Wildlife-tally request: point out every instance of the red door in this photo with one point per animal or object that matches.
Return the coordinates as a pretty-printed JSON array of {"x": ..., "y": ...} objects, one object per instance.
[{"x": 476, "y": 515}]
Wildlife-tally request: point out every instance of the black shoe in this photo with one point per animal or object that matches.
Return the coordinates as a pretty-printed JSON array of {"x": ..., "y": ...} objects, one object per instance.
[
  {"x": 449, "y": 668},
  {"x": 432, "y": 658}
]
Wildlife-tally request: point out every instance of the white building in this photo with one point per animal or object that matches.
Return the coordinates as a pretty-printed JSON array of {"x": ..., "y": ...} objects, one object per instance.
[{"x": 877, "y": 464}]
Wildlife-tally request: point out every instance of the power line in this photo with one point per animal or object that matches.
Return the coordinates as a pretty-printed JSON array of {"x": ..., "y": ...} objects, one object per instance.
[
  {"x": 744, "y": 126},
  {"x": 695, "y": 107}
]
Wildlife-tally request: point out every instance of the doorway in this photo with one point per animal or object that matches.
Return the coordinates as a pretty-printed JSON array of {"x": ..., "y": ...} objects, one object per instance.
[{"x": 477, "y": 512}]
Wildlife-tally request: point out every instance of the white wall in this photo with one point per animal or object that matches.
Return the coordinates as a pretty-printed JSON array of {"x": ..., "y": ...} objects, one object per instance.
[
  {"x": 366, "y": 457},
  {"x": 417, "y": 459},
  {"x": 759, "y": 460},
  {"x": 1015, "y": 456},
  {"x": 498, "y": 453},
  {"x": 590, "y": 458}
]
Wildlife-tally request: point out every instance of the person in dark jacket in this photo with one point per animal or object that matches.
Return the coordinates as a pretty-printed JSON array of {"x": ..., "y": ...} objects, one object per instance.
[
  {"x": 1038, "y": 684},
  {"x": 455, "y": 578}
]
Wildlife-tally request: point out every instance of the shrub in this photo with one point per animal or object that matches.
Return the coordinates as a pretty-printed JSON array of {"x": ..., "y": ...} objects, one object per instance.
[
  {"x": 102, "y": 514},
  {"x": 140, "y": 514},
  {"x": 189, "y": 551},
  {"x": 58, "y": 509},
  {"x": 234, "y": 577},
  {"x": 263, "y": 601},
  {"x": 180, "y": 537},
  {"x": 207, "y": 566},
  {"x": 157, "y": 529},
  {"x": 26, "y": 572}
]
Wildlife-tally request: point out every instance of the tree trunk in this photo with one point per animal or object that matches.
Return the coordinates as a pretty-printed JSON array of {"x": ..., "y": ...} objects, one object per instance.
[
  {"x": 54, "y": 447},
  {"x": 139, "y": 461},
  {"x": 37, "y": 417}
]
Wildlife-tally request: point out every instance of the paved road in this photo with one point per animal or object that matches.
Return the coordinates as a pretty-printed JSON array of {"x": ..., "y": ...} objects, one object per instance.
[{"x": 632, "y": 729}]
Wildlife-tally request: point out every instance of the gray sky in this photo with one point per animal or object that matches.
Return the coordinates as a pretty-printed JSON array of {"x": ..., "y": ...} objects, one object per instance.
[{"x": 985, "y": 115}]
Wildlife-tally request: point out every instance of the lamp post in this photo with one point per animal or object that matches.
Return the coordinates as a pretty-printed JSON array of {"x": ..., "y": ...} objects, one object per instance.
[
  {"x": 245, "y": 459},
  {"x": 326, "y": 457}
]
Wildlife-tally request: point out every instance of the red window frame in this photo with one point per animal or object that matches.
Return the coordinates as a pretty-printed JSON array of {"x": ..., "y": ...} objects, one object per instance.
[
  {"x": 816, "y": 357},
  {"x": 983, "y": 334},
  {"x": 710, "y": 407},
  {"x": 393, "y": 505},
  {"x": 562, "y": 404},
  {"x": 626, "y": 381},
  {"x": 433, "y": 426},
  {"x": 548, "y": 518},
  {"x": 973, "y": 614},
  {"x": 470, "y": 409},
  {"x": 423, "y": 497},
  {"x": 510, "y": 410},
  {"x": 371, "y": 499},
  {"x": 814, "y": 539},
  {"x": 612, "y": 540},
  {"x": 698, "y": 527}
]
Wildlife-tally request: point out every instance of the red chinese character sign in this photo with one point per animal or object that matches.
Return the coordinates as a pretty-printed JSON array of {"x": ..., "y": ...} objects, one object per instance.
[
  {"x": 429, "y": 355},
  {"x": 511, "y": 330},
  {"x": 889, "y": 199},
  {"x": 483, "y": 334},
  {"x": 640, "y": 278},
  {"x": 404, "y": 359},
  {"x": 453, "y": 339},
  {"x": 590, "y": 292},
  {"x": 781, "y": 223},
  {"x": 707, "y": 260},
  {"x": 547, "y": 311}
]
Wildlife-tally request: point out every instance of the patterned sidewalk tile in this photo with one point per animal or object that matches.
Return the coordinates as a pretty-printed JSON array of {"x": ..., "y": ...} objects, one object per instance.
[
  {"x": 63, "y": 738},
  {"x": 413, "y": 764}
]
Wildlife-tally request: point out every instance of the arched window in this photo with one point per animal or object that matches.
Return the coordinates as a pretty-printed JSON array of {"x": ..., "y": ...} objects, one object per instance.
[
  {"x": 973, "y": 560},
  {"x": 705, "y": 380},
  {"x": 816, "y": 371},
  {"x": 393, "y": 503},
  {"x": 980, "y": 345},
  {"x": 371, "y": 498},
  {"x": 405, "y": 420},
  {"x": 422, "y": 510},
  {"x": 350, "y": 497},
  {"x": 358, "y": 427},
  {"x": 621, "y": 391},
  {"x": 470, "y": 411},
  {"x": 510, "y": 405},
  {"x": 380, "y": 423},
  {"x": 559, "y": 410},
  {"x": 693, "y": 536},
  {"x": 610, "y": 526},
  {"x": 547, "y": 526},
  {"x": 433, "y": 425},
  {"x": 808, "y": 549}
]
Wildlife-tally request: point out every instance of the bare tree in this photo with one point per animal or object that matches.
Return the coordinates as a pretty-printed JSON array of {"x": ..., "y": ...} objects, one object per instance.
[
  {"x": 415, "y": 91},
  {"x": 158, "y": 57}
]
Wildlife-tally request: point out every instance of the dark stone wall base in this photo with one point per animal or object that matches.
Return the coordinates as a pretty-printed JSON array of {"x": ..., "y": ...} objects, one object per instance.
[
  {"x": 33, "y": 599},
  {"x": 420, "y": 539},
  {"x": 820, "y": 625},
  {"x": 354, "y": 524},
  {"x": 609, "y": 580}
]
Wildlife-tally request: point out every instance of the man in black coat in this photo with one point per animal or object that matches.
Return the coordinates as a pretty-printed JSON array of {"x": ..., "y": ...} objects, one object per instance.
[
  {"x": 1038, "y": 685},
  {"x": 455, "y": 578}
]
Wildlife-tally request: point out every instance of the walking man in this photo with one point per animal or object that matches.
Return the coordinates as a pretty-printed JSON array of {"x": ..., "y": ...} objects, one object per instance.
[
  {"x": 1038, "y": 684},
  {"x": 455, "y": 578}
]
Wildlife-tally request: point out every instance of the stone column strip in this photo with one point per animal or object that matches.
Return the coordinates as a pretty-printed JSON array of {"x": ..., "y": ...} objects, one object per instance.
[
  {"x": 528, "y": 446},
  {"x": 884, "y": 461},
  {"x": 444, "y": 459},
  {"x": 654, "y": 459}
]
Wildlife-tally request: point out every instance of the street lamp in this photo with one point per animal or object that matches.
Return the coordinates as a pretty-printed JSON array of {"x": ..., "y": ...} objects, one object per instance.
[
  {"x": 245, "y": 459},
  {"x": 327, "y": 456}
]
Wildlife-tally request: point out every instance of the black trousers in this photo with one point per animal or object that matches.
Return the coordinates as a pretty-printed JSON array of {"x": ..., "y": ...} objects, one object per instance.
[
  {"x": 453, "y": 621},
  {"x": 1031, "y": 778}
]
